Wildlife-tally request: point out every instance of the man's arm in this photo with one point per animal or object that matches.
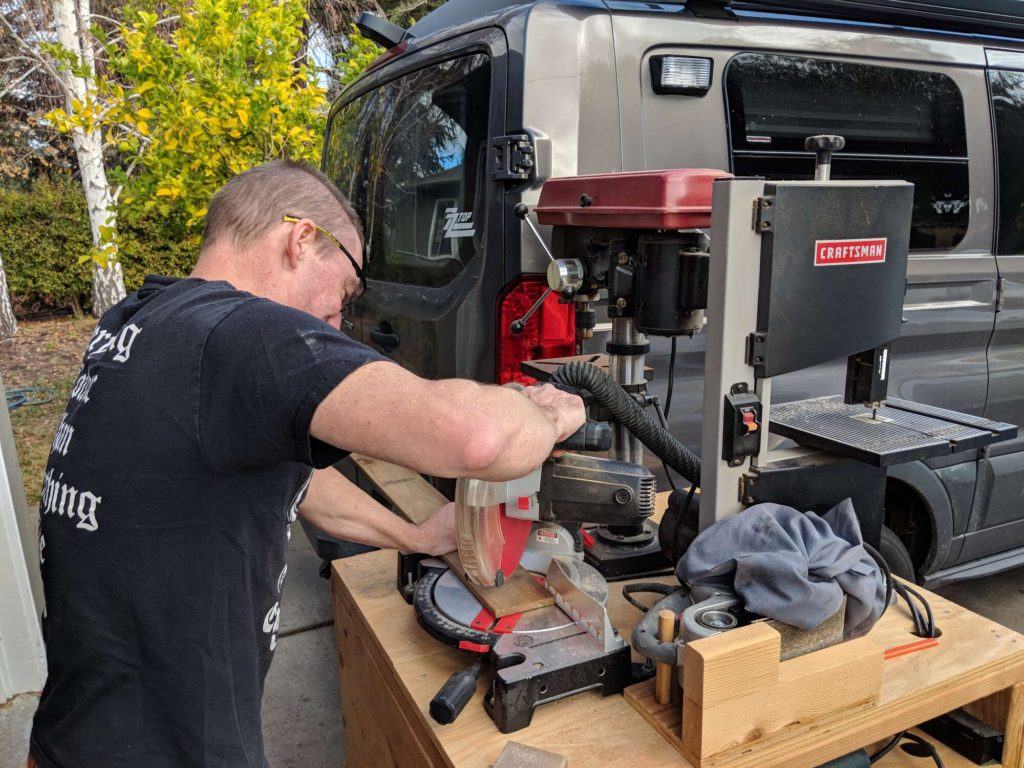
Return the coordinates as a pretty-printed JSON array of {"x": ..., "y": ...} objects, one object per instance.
[
  {"x": 339, "y": 508},
  {"x": 447, "y": 428}
]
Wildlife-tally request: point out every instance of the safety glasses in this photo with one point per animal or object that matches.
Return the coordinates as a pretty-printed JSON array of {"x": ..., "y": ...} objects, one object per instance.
[{"x": 355, "y": 266}]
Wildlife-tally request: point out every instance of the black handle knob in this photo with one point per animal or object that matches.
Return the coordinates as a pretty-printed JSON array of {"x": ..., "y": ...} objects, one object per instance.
[
  {"x": 823, "y": 146},
  {"x": 455, "y": 694},
  {"x": 592, "y": 436},
  {"x": 384, "y": 336},
  {"x": 520, "y": 210}
]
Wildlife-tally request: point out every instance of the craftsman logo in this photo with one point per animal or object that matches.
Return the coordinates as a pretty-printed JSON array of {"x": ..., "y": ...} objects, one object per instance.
[{"x": 828, "y": 253}]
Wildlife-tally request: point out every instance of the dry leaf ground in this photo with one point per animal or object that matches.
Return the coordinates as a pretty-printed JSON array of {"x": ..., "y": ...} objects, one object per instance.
[{"x": 47, "y": 354}]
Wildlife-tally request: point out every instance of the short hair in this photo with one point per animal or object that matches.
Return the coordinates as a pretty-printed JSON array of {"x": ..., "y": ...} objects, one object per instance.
[{"x": 254, "y": 201}]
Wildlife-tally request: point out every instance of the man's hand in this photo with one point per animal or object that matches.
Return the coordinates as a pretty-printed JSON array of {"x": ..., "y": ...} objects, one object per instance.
[
  {"x": 436, "y": 535},
  {"x": 567, "y": 411}
]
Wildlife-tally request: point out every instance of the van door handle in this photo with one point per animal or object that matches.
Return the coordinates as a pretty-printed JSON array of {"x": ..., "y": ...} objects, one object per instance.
[{"x": 384, "y": 336}]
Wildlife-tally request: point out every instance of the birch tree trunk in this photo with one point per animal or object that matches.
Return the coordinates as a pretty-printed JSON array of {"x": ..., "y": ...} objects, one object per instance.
[
  {"x": 72, "y": 23},
  {"x": 8, "y": 322}
]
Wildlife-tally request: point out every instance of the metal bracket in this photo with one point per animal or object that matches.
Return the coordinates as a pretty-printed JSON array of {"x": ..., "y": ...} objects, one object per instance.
[
  {"x": 763, "y": 217},
  {"x": 512, "y": 157}
]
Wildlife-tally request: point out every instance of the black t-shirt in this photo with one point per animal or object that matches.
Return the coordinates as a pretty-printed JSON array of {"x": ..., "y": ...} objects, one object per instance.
[{"x": 164, "y": 520}]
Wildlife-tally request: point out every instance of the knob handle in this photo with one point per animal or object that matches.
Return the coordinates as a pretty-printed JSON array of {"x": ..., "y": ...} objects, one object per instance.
[{"x": 823, "y": 146}]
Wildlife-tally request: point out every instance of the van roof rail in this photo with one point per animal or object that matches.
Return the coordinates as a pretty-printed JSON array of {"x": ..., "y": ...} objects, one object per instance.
[{"x": 1004, "y": 18}]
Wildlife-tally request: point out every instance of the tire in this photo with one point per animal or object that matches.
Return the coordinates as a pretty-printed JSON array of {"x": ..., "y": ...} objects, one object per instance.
[{"x": 896, "y": 555}]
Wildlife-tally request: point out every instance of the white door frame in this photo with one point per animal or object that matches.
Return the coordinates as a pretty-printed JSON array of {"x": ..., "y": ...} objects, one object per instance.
[{"x": 22, "y": 654}]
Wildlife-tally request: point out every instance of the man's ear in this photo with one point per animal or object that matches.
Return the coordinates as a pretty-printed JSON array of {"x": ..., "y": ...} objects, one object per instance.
[{"x": 300, "y": 241}]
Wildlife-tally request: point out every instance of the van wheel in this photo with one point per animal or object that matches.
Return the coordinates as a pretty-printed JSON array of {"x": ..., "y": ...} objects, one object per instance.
[{"x": 896, "y": 555}]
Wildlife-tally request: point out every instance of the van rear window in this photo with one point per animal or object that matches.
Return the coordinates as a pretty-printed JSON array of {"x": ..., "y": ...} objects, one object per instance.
[
  {"x": 898, "y": 124},
  {"x": 409, "y": 155}
]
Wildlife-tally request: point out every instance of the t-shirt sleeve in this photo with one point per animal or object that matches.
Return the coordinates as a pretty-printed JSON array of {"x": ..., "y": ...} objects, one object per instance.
[{"x": 265, "y": 369}]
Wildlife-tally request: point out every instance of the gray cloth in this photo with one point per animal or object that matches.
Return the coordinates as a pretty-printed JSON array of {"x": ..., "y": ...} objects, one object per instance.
[{"x": 791, "y": 566}]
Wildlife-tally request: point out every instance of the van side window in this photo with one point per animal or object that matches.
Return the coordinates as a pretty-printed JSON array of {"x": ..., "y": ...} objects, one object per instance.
[
  {"x": 410, "y": 155},
  {"x": 898, "y": 124},
  {"x": 1007, "y": 89}
]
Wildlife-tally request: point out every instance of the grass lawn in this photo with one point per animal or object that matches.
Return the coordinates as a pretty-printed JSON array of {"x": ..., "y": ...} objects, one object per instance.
[{"x": 45, "y": 353}]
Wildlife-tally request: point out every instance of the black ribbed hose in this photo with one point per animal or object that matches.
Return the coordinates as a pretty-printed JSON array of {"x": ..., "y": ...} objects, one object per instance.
[{"x": 628, "y": 412}]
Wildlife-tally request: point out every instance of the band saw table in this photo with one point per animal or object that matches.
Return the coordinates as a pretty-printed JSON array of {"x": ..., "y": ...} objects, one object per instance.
[{"x": 389, "y": 669}]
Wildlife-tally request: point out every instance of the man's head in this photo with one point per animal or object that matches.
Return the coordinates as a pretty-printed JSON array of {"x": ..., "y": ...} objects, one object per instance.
[{"x": 272, "y": 230}]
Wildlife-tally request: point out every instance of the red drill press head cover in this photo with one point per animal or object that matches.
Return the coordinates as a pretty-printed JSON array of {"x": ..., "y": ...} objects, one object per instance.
[{"x": 672, "y": 199}]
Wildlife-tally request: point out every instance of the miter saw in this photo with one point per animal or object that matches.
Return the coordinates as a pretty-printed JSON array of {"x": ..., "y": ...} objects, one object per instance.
[{"x": 535, "y": 522}]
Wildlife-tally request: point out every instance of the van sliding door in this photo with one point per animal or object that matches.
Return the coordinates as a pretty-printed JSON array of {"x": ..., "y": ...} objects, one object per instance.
[{"x": 998, "y": 521}]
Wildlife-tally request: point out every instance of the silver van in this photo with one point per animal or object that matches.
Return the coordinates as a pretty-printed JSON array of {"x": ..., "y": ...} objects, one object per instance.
[{"x": 482, "y": 100}]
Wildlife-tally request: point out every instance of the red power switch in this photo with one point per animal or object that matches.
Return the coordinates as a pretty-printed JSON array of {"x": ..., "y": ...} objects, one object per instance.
[{"x": 750, "y": 422}]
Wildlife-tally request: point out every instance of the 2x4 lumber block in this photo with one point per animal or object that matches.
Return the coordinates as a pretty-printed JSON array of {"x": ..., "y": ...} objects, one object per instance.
[
  {"x": 739, "y": 693},
  {"x": 731, "y": 665}
]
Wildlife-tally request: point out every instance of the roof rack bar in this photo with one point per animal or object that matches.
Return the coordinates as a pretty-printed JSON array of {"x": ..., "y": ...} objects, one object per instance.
[{"x": 989, "y": 17}]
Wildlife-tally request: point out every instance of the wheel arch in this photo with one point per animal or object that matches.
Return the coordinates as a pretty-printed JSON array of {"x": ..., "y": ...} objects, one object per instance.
[{"x": 918, "y": 510}]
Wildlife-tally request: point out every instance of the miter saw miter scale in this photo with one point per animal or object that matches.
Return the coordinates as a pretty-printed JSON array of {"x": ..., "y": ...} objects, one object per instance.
[{"x": 798, "y": 274}]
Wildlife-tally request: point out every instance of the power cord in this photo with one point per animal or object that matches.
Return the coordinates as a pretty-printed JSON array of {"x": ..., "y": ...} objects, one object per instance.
[
  {"x": 642, "y": 587},
  {"x": 920, "y": 610},
  {"x": 663, "y": 420},
  {"x": 28, "y": 396},
  {"x": 890, "y": 745},
  {"x": 671, "y": 378}
]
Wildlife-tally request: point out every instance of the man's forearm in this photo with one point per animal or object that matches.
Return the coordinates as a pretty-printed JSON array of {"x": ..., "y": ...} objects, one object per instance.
[
  {"x": 340, "y": 509},
  {"x": 447, "y": 428}
]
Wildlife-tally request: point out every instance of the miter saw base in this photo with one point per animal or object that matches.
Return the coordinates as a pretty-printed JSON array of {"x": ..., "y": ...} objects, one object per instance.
[
  {"x": 538, "y": 656},
  {"x": 530, "y": 672}
]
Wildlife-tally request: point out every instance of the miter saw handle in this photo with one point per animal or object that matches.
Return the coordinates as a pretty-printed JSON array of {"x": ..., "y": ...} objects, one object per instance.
[
  {"x": 455, "y": 694},
  {"x": 592, "y": 436}
]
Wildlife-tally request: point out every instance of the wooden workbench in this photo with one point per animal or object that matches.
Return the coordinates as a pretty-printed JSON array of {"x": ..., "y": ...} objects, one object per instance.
[{"x": 390, "y": 669}]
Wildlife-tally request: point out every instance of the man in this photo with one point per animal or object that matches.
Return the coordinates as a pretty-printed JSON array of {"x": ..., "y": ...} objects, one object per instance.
[{"x": 187, "y": 448}]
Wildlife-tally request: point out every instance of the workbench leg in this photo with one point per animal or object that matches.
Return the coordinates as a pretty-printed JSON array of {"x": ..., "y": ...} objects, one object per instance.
[{"x": 1013, "y": 743}]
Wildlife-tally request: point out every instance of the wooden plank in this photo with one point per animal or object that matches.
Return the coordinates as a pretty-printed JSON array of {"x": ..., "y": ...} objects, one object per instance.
[
  {"x": 1013, "y": 736},
  {"x": 667, "y": 721},
  {"x": 416, "y": 500},
  {"x": 992, "y": 709},
  {"x": 404, "y": 742}
]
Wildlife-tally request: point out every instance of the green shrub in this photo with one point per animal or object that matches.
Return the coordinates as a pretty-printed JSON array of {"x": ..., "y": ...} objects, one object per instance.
[{"x": 44, "y": 231}]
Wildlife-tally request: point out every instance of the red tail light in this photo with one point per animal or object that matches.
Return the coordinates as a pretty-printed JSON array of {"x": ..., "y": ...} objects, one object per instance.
[{"x": 550, "y": 332}]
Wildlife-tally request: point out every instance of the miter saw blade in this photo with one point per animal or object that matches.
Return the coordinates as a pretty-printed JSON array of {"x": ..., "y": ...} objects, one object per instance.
[{"x": 490, "y": 543}]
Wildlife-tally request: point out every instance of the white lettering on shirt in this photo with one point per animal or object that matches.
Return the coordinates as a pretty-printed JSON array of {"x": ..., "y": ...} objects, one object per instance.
[
  {"x": 62, "y": 439},
  {"x": 58, "y": 498}
]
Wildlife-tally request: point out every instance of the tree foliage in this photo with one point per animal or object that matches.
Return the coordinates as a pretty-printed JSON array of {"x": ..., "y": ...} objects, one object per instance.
[{"x": 193, "y": 99}]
